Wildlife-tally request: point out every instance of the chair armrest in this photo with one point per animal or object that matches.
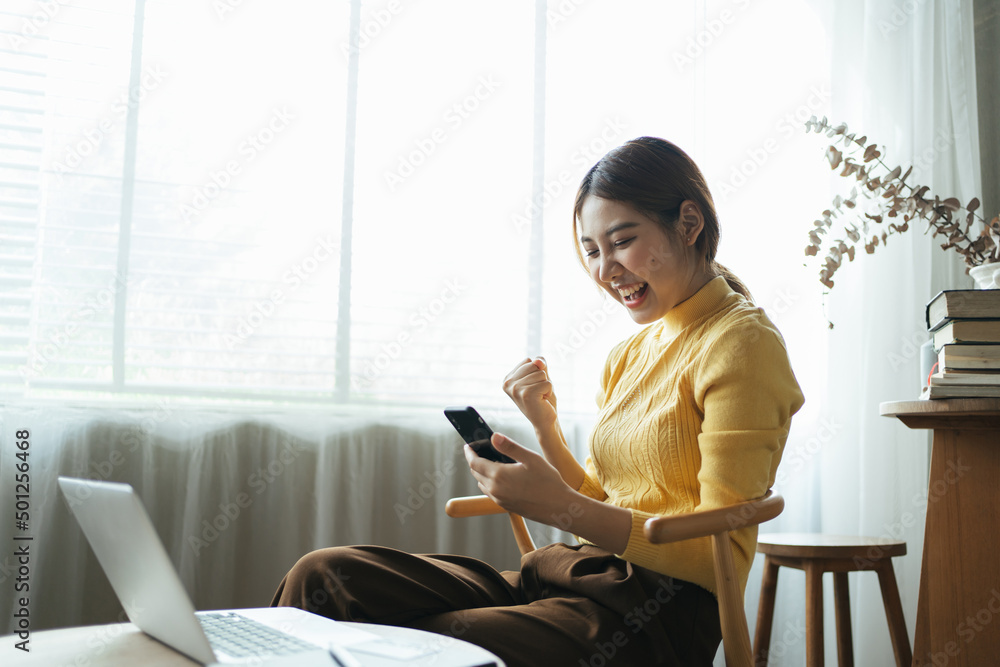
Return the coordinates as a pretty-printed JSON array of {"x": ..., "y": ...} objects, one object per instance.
[
  {"x": 467, "y": 506},
  {"x": 662, "y": 529}
]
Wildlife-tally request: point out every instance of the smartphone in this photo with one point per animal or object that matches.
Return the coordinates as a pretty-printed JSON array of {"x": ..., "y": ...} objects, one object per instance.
[{"x": 475, "y": 431}]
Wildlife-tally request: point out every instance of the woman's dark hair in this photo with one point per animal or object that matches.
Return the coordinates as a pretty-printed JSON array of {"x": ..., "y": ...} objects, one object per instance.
[{"x": 654, "y": 176}]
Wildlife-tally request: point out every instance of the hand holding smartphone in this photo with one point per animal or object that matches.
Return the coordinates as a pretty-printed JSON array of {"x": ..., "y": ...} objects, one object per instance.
[{"x": 475, "y": 431}]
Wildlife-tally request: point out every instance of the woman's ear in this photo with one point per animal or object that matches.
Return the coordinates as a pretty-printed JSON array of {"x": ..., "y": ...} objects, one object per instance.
[{"x": 691, "y": 222}]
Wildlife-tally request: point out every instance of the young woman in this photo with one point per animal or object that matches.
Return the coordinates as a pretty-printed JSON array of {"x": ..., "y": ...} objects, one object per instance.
[{"x": 694, "y": 413}]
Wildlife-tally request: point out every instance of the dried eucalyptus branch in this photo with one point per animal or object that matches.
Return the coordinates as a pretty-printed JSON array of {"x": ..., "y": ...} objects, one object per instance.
[{"x": 893, "y": 204}]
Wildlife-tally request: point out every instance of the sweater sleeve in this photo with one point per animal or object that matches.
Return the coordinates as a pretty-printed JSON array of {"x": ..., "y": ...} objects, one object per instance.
[
  {"x": 745, "y": 394},
  {"x": 748, "y": 396}
]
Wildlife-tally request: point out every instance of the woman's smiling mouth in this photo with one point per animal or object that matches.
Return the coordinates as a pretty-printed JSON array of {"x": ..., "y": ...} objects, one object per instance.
[{"x": 633, "y": 295}]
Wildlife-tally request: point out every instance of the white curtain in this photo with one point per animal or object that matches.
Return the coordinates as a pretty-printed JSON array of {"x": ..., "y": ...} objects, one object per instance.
[{"x": 904, "y": 75}]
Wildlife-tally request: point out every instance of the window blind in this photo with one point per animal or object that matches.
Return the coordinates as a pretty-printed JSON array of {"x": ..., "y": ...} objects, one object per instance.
[
  {"x": 61, "y": 156},
  {"x": 173, "y": 209}
]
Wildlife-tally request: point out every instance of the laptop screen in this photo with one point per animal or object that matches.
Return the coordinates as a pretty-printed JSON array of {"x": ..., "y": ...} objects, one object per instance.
[{"x": 133, "y": 558}]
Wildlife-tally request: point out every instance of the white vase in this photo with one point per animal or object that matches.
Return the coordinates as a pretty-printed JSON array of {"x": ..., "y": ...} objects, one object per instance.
[{"x": 987, "y": 276}]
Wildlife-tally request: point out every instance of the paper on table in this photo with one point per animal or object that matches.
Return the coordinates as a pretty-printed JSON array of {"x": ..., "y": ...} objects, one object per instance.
[{"x": 397, "y": 649}]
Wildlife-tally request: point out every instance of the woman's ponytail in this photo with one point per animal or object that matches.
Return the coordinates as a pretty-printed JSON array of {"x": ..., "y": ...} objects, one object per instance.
[{"x": 735, "y": 283}]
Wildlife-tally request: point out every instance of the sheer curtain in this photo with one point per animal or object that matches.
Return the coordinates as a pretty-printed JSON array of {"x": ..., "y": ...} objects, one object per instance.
[
  {"x": 904, "y": 75},
  {"x": 225, "y": 230}
]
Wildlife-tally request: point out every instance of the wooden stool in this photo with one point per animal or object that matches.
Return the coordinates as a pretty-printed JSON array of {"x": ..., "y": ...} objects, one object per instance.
[{"x": 815, "y": 554}]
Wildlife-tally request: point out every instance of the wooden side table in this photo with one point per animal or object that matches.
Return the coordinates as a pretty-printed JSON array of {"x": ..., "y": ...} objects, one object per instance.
[{"x": 958, "y": 612}]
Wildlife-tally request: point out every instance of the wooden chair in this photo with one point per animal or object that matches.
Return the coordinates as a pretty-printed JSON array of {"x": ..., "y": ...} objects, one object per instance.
[{"x": 716, "y": 523}]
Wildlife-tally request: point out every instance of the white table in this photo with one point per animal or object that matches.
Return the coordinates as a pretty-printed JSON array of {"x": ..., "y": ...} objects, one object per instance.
[{"x": 124, "y": 645}]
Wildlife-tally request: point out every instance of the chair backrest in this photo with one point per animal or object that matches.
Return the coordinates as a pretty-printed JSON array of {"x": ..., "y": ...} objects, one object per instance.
[{"x": 717, "y": 524}]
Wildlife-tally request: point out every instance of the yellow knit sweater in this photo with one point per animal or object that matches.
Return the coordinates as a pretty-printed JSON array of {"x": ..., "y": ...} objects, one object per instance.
[{"x": 694, "y": 414}]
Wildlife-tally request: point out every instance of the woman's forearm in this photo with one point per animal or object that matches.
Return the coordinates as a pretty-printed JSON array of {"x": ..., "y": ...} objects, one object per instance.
[
  {"x": 608, "y": 526},
  {"x": 556, "y": 451}
]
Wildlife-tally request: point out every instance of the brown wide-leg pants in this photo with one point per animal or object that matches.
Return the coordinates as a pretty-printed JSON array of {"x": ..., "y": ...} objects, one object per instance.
[{"x": 578, "y": 606}]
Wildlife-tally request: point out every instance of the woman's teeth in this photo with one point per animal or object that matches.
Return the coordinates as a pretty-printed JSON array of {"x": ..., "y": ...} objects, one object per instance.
[{"x": 632, "y": 291}]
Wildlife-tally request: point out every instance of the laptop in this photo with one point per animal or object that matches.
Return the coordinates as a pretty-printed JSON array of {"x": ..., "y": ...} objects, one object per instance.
[{"x": 144, "y": 579}]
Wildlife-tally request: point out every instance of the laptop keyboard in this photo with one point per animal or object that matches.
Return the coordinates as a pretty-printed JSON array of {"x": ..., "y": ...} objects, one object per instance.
[{"x": 241, "y": 637}]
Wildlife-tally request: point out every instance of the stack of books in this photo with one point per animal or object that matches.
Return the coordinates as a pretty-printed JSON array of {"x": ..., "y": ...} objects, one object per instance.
[{"x": 965, "y": 325}]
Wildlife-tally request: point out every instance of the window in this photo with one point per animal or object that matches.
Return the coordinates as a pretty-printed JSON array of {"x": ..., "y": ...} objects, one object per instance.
[{"x": 215, "y": 200}]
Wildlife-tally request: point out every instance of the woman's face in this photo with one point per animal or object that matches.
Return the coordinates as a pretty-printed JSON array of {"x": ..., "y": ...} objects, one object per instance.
[{"x": 635, "y": 260}]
